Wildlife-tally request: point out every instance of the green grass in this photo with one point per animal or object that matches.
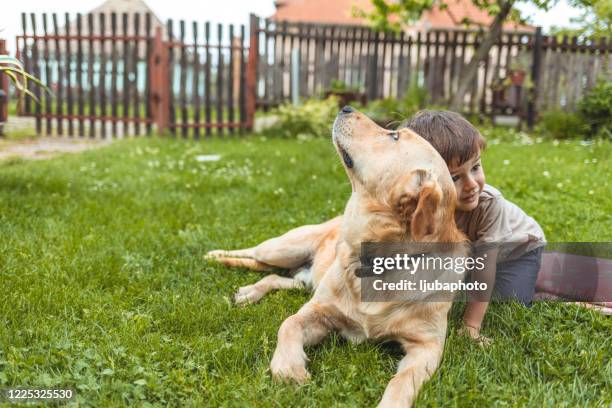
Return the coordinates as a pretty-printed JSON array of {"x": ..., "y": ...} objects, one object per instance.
[{"x": 104, "y": 289}]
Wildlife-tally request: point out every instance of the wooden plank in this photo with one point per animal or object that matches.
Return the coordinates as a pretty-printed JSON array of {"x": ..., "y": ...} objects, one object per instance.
[
  {"x": 47, "y": 56},
  {"x": 25, "y": 56},
  {"x": 445, "y": 70},
  {"x": 135, "y": 60},
  {"x": 126, "y": 76},
  {"x": 183, "y": 81},
  {"x": 283, "y": 94},
  {"x": 498, "y": 53},
  {"x": 384, "y": 70},
  {"x": 243, "y": 108},
  {"x": 409, "y": 70},
  {"x": 433, "y": 40},
  {"x": 265, "y": 73},
  {"x": 230, "y": 80},
  {"x": 90, "y": 78},
  {"x": 575, "y": 73},
  {"x": 556, "y": 73},
  {"x": 196, "y": 80},
  {"x": 401, "y": 67},
  {"x": 310, "y": 63},
  {"x": 69, "y": 77},
  {"x": 102, "y": 74},
  {"x": 453, "y": 64},
  {"x": 291, "y": 45},
  {"x": 417, "y": 66},
  {"x": 59, "y": 92},
  {"x": 171, "y": 50},
  {"x": 359, "y": 59},
  {"x": 147, "y": 82},
  {"x": 427, "y": 66},
  {"x": 220, "y": 64},
  {"x": 474, "y": 87},
  {"x": 274, "y": 66},
  {"x": 36, "y": 70},
  {"x": 351, "y": 53},
  {"x": 114, "y": 100},
  {"x": 330, "y": 70},
  {"x": 484, "y": 85},
  {"x": 79, "y": 76},
  {"x": 207, "y": 79},
  {"x": 303, "y": 68}
]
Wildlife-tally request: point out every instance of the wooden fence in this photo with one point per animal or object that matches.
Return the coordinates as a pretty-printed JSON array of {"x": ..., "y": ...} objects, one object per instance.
[
  {"x": 4, "y": 91},
  {"x": 117, "y": 75},
  {"x": 385, "y": 65}
]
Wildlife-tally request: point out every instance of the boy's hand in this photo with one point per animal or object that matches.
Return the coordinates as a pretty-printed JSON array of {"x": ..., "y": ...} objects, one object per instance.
[{"x": 474, "y": 334}]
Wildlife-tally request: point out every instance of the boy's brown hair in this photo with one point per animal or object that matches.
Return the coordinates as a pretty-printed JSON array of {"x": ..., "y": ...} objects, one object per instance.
[{"x": 449, "y": 133}]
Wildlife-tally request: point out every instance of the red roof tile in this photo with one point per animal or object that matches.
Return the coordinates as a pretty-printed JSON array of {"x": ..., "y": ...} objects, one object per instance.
[
  {"x": 320, "y": 11},
  {"x": 340, "y": 12}
]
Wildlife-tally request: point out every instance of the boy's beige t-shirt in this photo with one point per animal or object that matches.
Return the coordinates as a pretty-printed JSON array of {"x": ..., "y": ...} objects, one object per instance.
[{"x": 498, "y": 221}]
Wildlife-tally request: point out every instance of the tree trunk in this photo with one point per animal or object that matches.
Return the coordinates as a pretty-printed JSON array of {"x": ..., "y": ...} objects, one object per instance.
[{"x": 472, "y": 68}]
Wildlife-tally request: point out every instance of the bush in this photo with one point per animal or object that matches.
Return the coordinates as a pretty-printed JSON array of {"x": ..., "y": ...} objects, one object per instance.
[
  {"x": 596, "y": 109},
  {"x": 313, "y": 118},
  {"x": 562, "y": 125},
  {"x": 387, "y": 109}
]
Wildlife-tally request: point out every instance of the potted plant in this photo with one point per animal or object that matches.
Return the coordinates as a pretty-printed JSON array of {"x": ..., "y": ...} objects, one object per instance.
[
  {"x": 345, "y": 93},
  {"x": 517, "y": 71},
  {"x": 13, "y": 68}
]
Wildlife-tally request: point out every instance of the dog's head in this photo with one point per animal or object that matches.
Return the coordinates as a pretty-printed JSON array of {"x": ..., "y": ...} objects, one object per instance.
[{"x": 397, "y": 173}]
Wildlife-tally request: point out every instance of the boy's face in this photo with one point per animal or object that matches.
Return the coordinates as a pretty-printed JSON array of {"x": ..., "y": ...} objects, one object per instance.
[{"x": 469, "y": 181}]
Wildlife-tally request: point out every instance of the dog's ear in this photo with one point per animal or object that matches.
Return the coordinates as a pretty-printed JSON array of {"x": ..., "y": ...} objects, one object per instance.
[{"x": 417, "y": 201}]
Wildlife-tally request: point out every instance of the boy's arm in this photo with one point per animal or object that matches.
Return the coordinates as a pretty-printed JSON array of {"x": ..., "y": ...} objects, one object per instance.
[{"x": 478, "y": 302}]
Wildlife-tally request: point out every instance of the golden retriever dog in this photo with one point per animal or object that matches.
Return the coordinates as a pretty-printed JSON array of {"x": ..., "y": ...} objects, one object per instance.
[{"x": 402, "y": 192}]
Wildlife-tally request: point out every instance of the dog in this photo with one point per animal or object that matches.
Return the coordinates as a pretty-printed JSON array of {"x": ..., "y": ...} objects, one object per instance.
[{"x": 402, "y": 192}]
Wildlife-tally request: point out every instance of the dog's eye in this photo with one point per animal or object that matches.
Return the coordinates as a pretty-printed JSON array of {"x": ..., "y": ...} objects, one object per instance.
[{"x": 395, "y": 135}]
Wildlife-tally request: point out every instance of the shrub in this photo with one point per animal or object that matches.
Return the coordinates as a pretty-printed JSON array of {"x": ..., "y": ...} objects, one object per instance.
[
  {"x": 414, "y": 99},
  {"x": 562, "y": 125},
  {"x": 312, "y": 118},
  {"x": 596, "y": 109}
]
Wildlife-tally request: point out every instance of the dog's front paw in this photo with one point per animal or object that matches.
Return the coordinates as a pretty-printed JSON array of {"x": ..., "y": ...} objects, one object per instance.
[
  {"x": 248, "y": 294},
  {"x": 287, "y": 369}
]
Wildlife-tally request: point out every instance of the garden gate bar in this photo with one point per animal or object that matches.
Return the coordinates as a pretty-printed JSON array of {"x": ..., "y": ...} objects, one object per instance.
[{"x": 117, "y": 75}]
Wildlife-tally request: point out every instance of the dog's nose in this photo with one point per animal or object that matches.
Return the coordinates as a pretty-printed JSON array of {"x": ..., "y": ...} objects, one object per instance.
[{"x": 348, "y": 109}]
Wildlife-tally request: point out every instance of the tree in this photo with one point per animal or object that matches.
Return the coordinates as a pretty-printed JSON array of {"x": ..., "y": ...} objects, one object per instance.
[
  {"x": 595, "y": 21},
  {"x": 391, "y": 14}
]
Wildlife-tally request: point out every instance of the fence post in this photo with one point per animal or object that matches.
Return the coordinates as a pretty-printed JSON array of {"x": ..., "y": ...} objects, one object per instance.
[
  {"x": 372, "y": 75},
  {"x": 251, "y": 77},
  {"x": 535, "y": 77},
  {"x": 295, "y": 76},
  {"x": 4, "y": 92},
  {"x": 160, "y": 97}
]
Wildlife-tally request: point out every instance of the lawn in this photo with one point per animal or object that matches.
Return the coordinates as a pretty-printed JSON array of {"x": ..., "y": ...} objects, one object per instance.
[{"x": 104, "y": 289}]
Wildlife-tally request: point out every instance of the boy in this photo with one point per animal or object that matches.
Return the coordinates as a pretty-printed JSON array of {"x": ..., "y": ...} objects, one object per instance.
[{"x": 485, "y": 216}]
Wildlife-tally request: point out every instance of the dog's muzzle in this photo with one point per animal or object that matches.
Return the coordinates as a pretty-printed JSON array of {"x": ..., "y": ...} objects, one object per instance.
[
  {"x": 340, "y": 128},
  {"x": 348, "y": 160}
]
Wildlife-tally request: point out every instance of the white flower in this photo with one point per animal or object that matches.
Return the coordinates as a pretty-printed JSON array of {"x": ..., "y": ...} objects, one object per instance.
[
  {"x": 591, "y": 192},
  {"x": 208, "y": 157},
  {"x": 545, "y": 173},
  {"x": 506, "y": 162}
]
